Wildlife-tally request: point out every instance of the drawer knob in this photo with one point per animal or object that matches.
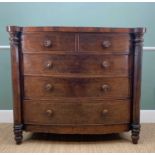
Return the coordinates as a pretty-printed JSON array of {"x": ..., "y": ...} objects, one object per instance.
[
  {"x": 105, "y": 64},
  {"x": 105, "y": 111},
  {"x": 47, "y": 43},
  {"x": 106, "y": 44},
  {"x": 105, "y": 88},
  {"x": 49, "y": 112},
  {"x": 48, "y": 87},
  {"x": 49, "y": 65}
]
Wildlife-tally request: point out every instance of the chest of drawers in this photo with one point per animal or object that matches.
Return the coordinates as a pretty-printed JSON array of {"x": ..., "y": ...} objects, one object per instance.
[{"x": 76, "y": 80}]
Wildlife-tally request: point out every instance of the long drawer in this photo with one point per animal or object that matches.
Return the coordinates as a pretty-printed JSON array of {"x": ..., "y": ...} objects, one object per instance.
[
  {"x": 76, "y": 112},
  {"x": 51, "y": 87},
  {"x": 81, "y": 63}
]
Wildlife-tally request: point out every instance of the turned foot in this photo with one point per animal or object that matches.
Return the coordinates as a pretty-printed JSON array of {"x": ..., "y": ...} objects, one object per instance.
[
  {"x": 135, "y": 133},
  {"x": 18, "y": 133}
]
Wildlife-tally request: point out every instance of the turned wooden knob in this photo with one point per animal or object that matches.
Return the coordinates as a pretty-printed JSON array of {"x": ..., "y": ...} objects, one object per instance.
[
  {"x": 49, "y": 112},
  {"x": 48, "y": 87},
  {"x": 105, "y": 64},
  {"x": 47, "y": 43},
  {"x": 104, "y": 111},
  {"x": 106, "y": 44},
  {"x": 49, "y": 65},
  {"x": 105, "y": 87}
]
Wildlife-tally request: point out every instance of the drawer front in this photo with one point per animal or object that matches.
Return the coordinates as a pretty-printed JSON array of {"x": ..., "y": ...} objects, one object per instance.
[
  {"x": 49, "y": 87},
  {"x": 104, "y": 43},
  {"x": 39, "y": 42},
  {"x": 77, "y": 112},
  {"x": 86, "y": 64}
]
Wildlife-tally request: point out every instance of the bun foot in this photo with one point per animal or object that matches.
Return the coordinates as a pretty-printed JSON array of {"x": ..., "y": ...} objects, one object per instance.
[
  {"x": 135, "y": 133},
  {"x": 134, "y": 141},
  {"x": 18, "y": 133}
]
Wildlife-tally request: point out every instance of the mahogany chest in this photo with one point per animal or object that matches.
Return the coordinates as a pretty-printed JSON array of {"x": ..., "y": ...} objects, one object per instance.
[{"x": 76, "y": 80}]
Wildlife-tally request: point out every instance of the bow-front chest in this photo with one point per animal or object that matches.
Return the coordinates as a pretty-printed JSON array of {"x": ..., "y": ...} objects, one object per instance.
[{"x": 76, "y": 80}]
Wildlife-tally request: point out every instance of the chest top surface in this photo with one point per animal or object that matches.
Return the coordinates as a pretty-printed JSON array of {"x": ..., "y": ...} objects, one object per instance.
[{"x": 77, "y": 29}]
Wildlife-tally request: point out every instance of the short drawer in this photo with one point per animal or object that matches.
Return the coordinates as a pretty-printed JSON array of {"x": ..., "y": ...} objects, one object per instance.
[
  {"x": 104, "y": 43},
  {"x": 52, "y": 41},
  {"x": 49, "y": 64},
  {"x": 52, "y": 87},
  {"x": 76, "y": 112}
]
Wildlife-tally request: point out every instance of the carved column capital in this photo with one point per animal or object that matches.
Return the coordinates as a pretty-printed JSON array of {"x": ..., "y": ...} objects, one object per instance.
[
  {"x": 138, "y": 39},
  {"x": 14, "y": 38}
]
